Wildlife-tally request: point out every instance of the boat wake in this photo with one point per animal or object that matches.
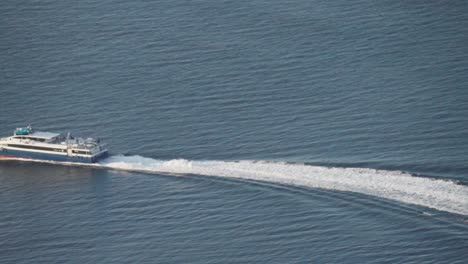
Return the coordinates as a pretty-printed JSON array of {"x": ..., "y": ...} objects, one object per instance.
[{"x": 443, "y": 195}]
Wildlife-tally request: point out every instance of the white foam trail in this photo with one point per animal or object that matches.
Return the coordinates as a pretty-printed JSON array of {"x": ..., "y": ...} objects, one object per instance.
[{"x": 442, "y": 195}]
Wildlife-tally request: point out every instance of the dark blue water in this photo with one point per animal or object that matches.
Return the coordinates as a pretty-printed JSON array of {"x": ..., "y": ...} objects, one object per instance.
[{"x": 239, "y": 130}]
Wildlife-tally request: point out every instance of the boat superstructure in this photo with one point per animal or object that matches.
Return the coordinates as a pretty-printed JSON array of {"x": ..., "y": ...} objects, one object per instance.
[{"x": 30, "y": 144}]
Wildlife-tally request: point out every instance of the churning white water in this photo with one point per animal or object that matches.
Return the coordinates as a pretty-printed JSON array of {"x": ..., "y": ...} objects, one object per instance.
[{"x": 439, "y": 194}]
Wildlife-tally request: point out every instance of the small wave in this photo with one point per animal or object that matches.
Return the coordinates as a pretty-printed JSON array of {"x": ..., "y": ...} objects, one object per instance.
[{"x": 438, "y": 194}]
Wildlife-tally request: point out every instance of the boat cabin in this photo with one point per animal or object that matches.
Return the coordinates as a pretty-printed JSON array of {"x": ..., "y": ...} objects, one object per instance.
[{"x": 28, "y": 133}]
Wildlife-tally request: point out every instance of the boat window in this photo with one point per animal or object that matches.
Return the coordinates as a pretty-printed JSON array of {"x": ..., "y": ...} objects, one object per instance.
[
  {"x": 81, "y": 151},
  {"x": 32, "y": 138},
  {"x": 33, "y": 147},
  {"x": 38, "y": 139}
]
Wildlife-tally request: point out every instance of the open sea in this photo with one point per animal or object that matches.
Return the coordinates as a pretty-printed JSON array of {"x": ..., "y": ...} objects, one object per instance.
[{"x": 260, "y": 131}]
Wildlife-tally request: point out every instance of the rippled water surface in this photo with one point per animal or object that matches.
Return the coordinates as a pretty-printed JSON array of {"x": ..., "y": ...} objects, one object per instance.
[{"x": 240, "y": 131}]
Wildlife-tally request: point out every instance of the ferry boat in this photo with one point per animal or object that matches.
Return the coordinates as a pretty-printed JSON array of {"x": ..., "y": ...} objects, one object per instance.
[{"x": 27, "y": 143}]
